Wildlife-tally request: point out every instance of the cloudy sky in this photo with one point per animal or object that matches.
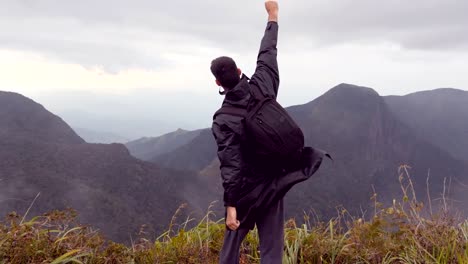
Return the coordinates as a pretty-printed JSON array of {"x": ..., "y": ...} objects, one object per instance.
[{"x": 123, "y": 63}]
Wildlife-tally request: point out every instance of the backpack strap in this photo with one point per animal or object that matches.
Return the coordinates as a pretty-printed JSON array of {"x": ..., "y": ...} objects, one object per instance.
[{"x": 230, "y": 110}]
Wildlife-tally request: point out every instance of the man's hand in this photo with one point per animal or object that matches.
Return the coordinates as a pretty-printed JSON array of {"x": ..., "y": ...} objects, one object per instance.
[
  {"x": 231, "y": 219},
  {"x": 272, "y": 9}
]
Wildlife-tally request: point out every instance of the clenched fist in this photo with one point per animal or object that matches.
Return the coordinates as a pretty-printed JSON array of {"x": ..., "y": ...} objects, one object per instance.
[
  {"x": 272, "y": 9},
  {"x": 231, "y": 219}
]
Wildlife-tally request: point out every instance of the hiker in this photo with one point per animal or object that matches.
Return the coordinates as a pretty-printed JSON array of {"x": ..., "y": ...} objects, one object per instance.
[{"x": 254, "y": 186}]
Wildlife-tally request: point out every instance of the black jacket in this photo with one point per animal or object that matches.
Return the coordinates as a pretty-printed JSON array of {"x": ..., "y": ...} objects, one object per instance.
[{"x": 243, "y": 181}]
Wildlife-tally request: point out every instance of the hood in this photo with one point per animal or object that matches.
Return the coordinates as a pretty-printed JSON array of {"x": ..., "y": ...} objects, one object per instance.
[{"x": 239, "y": 95}]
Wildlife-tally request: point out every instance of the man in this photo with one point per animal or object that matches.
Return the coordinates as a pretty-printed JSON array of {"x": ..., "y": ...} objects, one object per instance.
[{"x": 253, "y": 192}]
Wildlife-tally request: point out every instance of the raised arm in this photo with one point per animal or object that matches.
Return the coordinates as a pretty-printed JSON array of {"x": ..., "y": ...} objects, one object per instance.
[{"x": 266, "y": 74}]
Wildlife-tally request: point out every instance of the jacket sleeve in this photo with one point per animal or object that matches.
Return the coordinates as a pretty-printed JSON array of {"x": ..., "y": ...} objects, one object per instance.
[
  {"x": 266, "y": 75},
  {"x": 229, "y": 154}
]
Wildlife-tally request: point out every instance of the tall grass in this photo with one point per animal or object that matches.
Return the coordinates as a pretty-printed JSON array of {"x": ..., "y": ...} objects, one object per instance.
[{"x": 395, "y": 234}]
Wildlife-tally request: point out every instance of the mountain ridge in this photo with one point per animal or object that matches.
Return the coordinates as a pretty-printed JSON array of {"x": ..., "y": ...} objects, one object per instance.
[
  {"x": 149, "y": 148},
  {"x": 21, "y": 115},
  {"x": 439, "y": 116},
  {"x": 368, "y": 143},
  {"x": 367, "y": 137}
]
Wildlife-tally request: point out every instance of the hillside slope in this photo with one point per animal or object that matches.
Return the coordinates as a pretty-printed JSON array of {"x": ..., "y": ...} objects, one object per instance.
[
  {"x": 439, "y": 116},
  {"x": 150, "y": 148},
  {"x": 111, "y": 190}
]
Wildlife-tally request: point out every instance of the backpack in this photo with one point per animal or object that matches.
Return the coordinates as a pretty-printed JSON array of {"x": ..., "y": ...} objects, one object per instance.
[{"x": 272, "y": 136}]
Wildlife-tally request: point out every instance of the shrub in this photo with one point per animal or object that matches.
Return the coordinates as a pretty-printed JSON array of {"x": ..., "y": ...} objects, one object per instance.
[{"x": 395, "y": 234}]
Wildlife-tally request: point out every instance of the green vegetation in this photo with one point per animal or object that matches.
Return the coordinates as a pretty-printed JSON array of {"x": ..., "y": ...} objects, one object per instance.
[{"x": 395, "y": 234}]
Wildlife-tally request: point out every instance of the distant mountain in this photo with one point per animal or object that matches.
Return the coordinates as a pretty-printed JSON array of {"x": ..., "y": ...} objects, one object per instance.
[
  {"x": 91, "y": 136},
  {"x": 120, "y": 121},
  {"x": 111, "y": 190},
  {"x": 195, "y": 155},
  {"x": 439, "y": 116},
  {"x": 149, "y": 148},
  {"x": 368, "y": 142}
]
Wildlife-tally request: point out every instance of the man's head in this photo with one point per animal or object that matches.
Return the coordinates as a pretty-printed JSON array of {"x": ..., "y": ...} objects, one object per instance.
[{"x": 226, "y": 72}]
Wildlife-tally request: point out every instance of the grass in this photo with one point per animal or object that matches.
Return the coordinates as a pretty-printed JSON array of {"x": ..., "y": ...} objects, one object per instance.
[{"x": 395, "y": 234}]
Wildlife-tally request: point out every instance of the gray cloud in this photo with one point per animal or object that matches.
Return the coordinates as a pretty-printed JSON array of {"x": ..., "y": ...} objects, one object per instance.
[
  {"x": 417, "y": 24},
  {"x": 111, "y": 57},
  {"x": 122, "y": 34}
]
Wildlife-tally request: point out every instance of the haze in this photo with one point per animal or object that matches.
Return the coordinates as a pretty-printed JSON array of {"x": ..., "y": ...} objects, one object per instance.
[{"x": 141, "y": 68}]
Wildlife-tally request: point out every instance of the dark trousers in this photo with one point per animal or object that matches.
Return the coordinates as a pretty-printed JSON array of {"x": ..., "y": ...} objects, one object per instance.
[{"x": 270, "y": 231}]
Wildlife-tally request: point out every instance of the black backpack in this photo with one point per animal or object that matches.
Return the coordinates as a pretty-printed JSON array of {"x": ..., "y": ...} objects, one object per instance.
[{"x": 271, "y": 134}]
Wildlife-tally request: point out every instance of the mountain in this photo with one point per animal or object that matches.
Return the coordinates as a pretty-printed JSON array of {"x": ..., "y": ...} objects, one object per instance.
[
  {"x": 20, "y": 117},
  {"x": 195, "y": 155},
  {"x": 111, "y": 190},
  {"x": 439, "y": 116},
  {"x": 148, "y": 148},
  {"x": 369, "y": 137},
  {"x": 368, "y": 142}
]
